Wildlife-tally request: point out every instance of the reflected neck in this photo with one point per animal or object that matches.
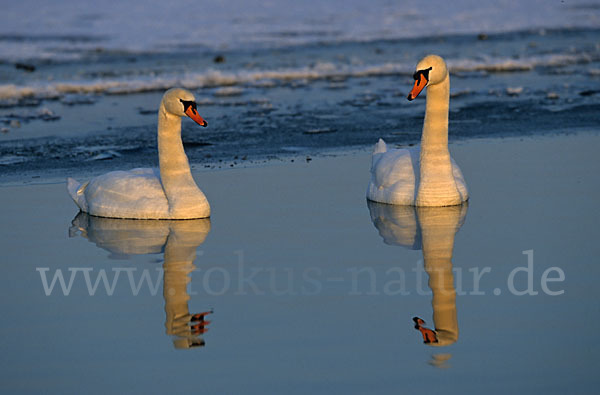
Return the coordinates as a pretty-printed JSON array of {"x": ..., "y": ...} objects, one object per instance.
[
  {"x": 179, "y": 258},
  {"x": 438, "y": 228}
]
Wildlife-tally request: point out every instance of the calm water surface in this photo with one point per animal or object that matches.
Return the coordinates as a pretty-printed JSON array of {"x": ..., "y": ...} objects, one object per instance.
[{"x": 312, "y": 289}]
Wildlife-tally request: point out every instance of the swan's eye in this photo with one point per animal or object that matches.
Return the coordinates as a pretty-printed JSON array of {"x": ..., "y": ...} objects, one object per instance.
[
  {"x": 424, "y": 73},
  {"x": 187, "y": 104}
]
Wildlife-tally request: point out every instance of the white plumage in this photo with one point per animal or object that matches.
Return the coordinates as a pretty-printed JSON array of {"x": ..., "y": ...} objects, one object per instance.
[
  {"x": 169, "y": 192},
  {"x": 425, "y": 175}
]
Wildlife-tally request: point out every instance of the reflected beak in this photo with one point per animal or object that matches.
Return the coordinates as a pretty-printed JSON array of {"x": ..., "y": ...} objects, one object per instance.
[
  {"x": 420, "y": 84},
  {"x": 193, "y": 113}
]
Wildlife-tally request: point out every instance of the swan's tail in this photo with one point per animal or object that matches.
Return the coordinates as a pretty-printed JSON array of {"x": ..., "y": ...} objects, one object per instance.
[
  {"x": 380, "y": 147},
  {"x": 378, "y": 151},
  {"x": 76, "y": 190}
]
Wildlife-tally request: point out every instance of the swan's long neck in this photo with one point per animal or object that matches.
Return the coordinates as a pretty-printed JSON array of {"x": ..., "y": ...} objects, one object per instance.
[
  {"x": 175, "y": 173},
  {"x": 435, "y": 127},
  {"x": 437, "y": 186}
]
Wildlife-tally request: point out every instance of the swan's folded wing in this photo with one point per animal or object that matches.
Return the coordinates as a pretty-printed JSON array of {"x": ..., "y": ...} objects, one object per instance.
[
  {"x": 127, "y": 194},
  {"x": 393, "y": 177}
]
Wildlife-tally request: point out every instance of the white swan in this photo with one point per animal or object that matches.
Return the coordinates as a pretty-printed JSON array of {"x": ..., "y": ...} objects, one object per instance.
[
  {"x": 427, "y": 176},
  {"x": 166, "y": 193}
]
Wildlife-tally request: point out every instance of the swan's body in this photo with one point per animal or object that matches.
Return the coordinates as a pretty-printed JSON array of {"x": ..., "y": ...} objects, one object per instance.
[
  {"x": 425, "y": 176},
  {"x": 396, "y": 175},
  {"x": 169, "y": 192}
]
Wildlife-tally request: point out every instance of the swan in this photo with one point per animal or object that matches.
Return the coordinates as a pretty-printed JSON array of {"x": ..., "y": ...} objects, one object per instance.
[
  {"x": 425, "y": 176},
  {"x": 165, "y": 193}
]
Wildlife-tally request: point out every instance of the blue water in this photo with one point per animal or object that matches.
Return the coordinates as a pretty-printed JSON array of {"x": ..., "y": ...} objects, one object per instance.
[
  {"x": 280, "y": 81},
  {"x": 305, "y": 281}
]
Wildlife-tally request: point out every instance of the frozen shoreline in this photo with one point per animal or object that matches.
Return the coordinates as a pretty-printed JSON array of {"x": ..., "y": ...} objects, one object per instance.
[
  {"x": 93, "y": 169},
  {"x": 99, "y": 114}
]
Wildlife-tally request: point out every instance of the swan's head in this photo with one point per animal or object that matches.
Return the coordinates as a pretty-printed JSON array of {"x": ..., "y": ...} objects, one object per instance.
[
  {"x": 431, "y": 70},
  {"x": 181, "y": 102}
]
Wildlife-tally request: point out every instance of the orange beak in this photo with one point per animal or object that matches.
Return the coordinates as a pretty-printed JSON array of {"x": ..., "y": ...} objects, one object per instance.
[
  {"x": 193, "y": 113},
  {"x": 420, "y": 84}
]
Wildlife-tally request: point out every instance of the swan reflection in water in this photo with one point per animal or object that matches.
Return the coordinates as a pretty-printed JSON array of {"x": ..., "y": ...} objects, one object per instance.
[
  {"x": 178, "y": 240},
  {"x": 432, "y": 230}
]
